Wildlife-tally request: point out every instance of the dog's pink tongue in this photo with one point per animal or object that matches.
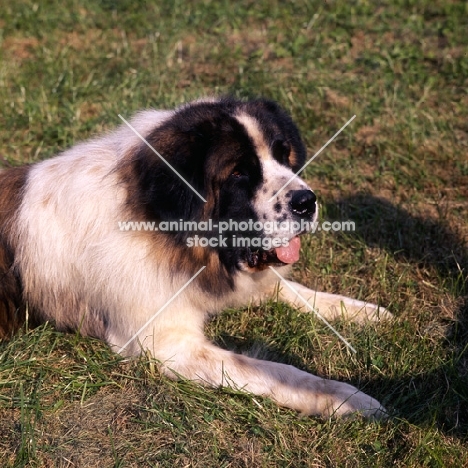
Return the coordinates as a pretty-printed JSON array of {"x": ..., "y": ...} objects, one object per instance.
[{"x": 290, "y": 253}]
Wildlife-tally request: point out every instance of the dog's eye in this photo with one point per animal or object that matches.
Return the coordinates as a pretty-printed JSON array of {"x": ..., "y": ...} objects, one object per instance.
[
  {"x": 281, "y": 149},
  {"x": 238, "y": 174}
]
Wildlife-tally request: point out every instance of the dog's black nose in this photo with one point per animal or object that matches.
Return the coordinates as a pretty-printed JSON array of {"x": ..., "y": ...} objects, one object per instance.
[{"x": 303, "y": 203}]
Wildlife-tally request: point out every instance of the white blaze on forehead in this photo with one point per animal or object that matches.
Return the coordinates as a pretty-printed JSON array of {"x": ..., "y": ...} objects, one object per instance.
[
  {"x": 268, "y": 207},
  {"x": 255, "y": 133}
]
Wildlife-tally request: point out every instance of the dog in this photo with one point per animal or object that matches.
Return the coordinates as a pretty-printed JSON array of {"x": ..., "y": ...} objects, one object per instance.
[{"x": 68, "y": 256}]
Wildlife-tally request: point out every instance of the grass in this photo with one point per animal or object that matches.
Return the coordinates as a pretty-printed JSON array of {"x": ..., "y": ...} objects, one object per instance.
[{"x": 400, "y": 171}]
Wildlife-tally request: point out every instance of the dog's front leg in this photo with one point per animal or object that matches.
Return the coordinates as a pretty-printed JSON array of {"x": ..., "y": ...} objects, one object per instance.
[
  {"x": 191, "y": 356},
  {"x": 274, "y": 285},
  {"x": 330, "y": 306}
]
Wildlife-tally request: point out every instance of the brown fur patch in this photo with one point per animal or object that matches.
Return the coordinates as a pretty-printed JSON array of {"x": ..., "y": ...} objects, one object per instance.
[
  {"x": 12, "y": 307},
  {"x": 293, "y": 158},
  {"x": 185, "y": 261}
]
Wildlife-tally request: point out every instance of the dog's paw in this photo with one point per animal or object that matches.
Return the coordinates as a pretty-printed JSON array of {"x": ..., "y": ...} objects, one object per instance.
[
  {"x": 331, "y": 306},
  {"x": 344, "y": 400},
  {"x": 358, "y": 311}
]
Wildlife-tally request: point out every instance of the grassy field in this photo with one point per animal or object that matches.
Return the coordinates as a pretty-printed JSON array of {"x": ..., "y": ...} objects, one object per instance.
[{"x": 400, "y": 171}]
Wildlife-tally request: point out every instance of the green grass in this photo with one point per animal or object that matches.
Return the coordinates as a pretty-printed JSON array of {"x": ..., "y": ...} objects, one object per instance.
[{"x": 67, "y": 69}]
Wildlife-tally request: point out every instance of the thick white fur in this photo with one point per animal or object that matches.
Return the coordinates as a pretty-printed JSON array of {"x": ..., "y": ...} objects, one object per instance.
[{"x": 69, "y": 243}]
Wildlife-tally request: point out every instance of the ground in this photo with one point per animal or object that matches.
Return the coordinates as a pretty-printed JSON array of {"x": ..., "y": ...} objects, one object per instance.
[{"x": 399, "y": 170}]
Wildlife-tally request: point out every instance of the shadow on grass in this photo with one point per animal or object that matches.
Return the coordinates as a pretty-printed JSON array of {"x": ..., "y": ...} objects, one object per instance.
[{"x": 439, "y": 395}]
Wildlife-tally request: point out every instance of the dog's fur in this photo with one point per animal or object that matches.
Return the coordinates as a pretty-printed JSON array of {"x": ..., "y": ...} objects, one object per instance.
[{"x": 64, "y": 259}]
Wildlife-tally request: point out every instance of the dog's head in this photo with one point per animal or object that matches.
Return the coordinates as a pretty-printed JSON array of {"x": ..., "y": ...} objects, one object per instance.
[{"x": 231, "y": 164}]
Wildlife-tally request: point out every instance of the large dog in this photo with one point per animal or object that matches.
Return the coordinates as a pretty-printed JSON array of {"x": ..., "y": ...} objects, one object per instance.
[{"x": 69, "y": 254}]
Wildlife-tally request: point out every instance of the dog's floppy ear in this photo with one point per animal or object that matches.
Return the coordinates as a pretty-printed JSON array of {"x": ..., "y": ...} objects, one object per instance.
[{"x": 171, "y": 187}]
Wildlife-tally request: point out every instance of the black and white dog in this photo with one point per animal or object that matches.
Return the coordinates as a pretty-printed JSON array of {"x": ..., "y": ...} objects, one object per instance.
[{"x": 65, "y": 258}]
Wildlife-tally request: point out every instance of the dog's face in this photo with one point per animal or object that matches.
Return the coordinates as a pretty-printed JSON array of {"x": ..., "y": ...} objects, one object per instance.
[{"x": 242, "y": 158}]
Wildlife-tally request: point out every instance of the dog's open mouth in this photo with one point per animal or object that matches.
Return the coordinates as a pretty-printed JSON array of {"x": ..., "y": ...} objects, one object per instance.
[{"x": 277, "y": 256}]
